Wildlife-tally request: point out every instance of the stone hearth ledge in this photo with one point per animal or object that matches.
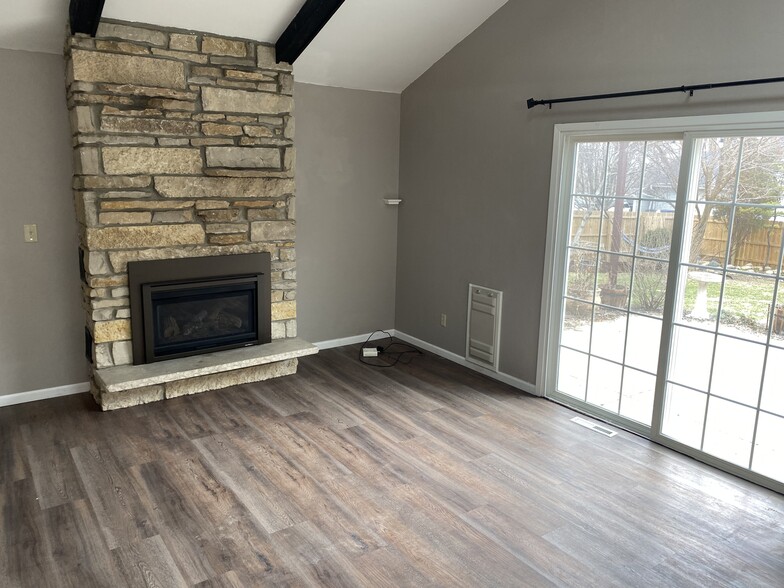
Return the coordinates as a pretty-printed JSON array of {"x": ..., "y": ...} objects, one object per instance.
[
  {"x": 128, "y": 377},
  {"x": 124, "y": 386}
]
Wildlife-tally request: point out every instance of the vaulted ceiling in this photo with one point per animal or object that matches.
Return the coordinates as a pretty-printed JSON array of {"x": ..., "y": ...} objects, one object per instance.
[{"x": 381, "y": 45}]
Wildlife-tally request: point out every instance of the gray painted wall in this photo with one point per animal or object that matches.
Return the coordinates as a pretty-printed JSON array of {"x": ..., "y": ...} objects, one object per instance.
[
  {"x": 347, "y": 162},
  {"x": 41, "y": 324},
  {"x": 475, "y": 164}
]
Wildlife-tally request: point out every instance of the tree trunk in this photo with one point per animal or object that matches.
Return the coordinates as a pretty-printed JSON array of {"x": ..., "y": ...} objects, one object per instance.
[
  {"x": 698, "y": 234},
  {"x": 617, "y": 226},
  {"x": 583, "y": 221}
]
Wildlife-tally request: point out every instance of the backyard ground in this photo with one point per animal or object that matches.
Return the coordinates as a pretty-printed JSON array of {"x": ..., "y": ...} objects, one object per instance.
[{"x": 611, "y": 362}]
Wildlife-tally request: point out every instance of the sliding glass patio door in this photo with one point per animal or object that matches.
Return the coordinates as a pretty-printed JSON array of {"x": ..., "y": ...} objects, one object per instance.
[
  {"x": 665, "y": 311},
  {"x": 621, "y": 221},
  {"x": 724, "y": 391}
]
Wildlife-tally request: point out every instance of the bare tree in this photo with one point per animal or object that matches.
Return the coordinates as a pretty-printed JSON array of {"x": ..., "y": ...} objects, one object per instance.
[
  {"x": 751, "y": 165},
  {"x": 596, "y": 181}
]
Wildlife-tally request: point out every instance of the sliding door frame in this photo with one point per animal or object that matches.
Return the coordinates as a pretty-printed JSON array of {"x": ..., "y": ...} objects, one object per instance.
[{"x": 690, "y": 129}]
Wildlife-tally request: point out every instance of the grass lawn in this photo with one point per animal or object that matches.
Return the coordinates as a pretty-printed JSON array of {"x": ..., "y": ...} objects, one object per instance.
[{"x": 747, "y": 299}]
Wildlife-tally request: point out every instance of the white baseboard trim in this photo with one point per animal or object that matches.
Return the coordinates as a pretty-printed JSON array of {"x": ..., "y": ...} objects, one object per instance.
[
  {"x": 33, "y": 395},
  {"x": 500, "y": 376},
  {"x": 352, "y": 340}
]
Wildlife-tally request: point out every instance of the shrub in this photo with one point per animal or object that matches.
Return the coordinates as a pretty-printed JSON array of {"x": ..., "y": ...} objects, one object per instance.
[{"x": 650, "y": 276}]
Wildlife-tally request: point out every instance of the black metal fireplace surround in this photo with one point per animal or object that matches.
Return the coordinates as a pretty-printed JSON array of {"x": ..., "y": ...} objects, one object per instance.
[{"x": 182, "y": 307}]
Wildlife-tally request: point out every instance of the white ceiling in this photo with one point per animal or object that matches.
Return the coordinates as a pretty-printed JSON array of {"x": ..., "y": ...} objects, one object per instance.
[{"x": 379, "y": 45}]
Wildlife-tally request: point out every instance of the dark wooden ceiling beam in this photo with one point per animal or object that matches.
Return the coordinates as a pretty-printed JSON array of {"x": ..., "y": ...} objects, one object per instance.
[
  {"x": 311, "y": 18},
  {"x": 85, "y": 16}
]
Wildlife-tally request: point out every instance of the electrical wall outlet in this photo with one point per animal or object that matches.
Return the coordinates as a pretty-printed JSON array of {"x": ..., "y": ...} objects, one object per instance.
[
  {"x": 443, "y": 319},
  {"x": 31, "y": 233}
]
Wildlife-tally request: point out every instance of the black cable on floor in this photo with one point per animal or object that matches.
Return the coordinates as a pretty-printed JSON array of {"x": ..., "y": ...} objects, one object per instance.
[{"x": 384, "y": 351}]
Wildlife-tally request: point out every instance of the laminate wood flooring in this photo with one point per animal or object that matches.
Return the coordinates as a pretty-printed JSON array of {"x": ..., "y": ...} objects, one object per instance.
[{"x": 425, "y": 474}]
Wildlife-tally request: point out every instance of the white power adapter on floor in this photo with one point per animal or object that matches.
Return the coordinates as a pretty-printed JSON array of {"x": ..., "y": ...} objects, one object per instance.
[{"x": 369, "y": 352}]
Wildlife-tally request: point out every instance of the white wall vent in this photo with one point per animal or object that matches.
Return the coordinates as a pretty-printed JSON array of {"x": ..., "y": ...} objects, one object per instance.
[{"x": 484, "y": 326}]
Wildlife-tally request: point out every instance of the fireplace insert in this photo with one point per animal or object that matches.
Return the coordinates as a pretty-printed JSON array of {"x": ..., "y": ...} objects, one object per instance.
[{"x": 182, "y": 307}]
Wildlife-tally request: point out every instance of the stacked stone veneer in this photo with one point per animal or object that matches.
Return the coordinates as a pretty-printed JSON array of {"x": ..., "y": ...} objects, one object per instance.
[{"x": 183, "y": 147}]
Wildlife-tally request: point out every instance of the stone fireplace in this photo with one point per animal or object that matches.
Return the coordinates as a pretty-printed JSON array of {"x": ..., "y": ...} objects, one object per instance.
[{"x": 183, "y": 149}]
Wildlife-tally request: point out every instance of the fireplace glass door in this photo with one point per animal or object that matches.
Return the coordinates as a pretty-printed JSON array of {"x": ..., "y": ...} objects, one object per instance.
[{"x": 191, "y": 317}]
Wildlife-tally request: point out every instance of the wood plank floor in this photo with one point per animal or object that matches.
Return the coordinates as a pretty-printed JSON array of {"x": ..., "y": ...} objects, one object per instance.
[{"x": 425, "y": 474}]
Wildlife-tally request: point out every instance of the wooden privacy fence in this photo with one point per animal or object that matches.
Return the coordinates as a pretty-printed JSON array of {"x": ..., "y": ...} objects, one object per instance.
[{"x": 761, "y": 249}]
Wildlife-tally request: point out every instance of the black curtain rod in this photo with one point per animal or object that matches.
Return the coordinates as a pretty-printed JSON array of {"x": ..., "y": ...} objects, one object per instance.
[{"x": 690, "y": 89}]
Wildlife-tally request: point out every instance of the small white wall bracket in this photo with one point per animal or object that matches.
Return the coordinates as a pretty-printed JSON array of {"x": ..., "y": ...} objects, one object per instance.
[{"x": 393, "y": 201}]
